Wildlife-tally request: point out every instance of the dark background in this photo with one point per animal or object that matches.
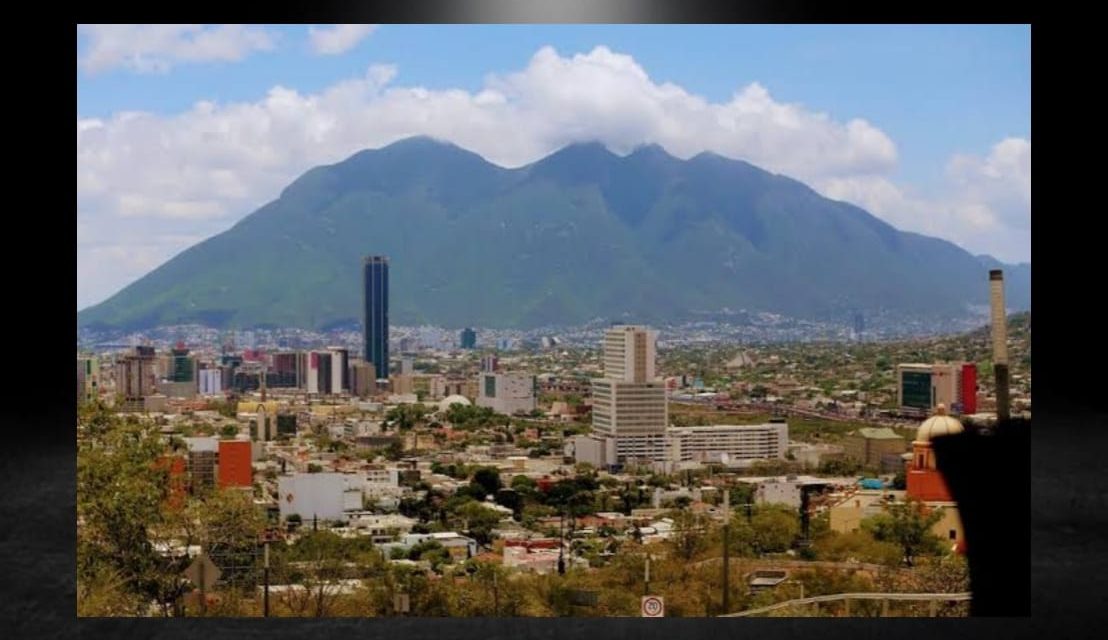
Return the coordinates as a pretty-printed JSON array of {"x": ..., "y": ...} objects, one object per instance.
[{"x": 1064, "y": 524}]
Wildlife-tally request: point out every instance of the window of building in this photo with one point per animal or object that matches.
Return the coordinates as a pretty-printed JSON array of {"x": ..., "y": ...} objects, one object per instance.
[{"x": 953, "y": 534}]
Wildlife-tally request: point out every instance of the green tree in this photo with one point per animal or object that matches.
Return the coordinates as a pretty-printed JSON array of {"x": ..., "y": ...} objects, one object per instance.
[
  {"x": 489, "y": 479},
  {"x": 523, "y": 485},
  {"x": 121, "y": 506},
  {"x": 479, "y": 521},
  {"x": 690, "y": 534},
  {"x": 908, "y": 524},
  {"x": 774, "y": 528}
]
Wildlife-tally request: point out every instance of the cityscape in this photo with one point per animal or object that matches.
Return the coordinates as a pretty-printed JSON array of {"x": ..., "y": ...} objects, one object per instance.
[
  {"x": 751, "y": 462},
  {"x": 466, "y": 462}
]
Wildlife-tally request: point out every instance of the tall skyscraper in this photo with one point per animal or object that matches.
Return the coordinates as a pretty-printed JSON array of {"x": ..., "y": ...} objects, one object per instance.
[
  {"x": 376, "y": 281},
  {"x": 469, "y": 338},
  {"x": 629, "y": 353},
  {"x": 629, "y": 403}
]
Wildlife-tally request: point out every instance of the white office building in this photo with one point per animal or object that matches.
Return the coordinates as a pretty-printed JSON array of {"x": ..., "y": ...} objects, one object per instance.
[
  {"x": 506, "y": 393},
  {"x": 728, "y": 444},
  {"x": 629, "y": 402},
  {"x": 211, "y": 382}
]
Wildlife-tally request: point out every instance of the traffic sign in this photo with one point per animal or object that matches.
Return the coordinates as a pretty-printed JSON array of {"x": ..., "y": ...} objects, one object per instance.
[
  {"x": 202, "y": 572},
  {"x": 653, "y": 607}
]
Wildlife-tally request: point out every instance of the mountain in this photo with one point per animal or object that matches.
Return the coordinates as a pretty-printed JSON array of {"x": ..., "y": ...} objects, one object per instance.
[{"x": 580, "y": 234}]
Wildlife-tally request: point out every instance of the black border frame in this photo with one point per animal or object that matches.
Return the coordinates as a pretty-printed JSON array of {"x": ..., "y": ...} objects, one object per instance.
[{"x": 1067, "y": 508}]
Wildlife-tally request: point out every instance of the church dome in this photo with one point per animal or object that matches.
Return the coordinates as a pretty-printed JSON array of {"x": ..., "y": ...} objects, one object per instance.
[{"x": 937, "y": 425}]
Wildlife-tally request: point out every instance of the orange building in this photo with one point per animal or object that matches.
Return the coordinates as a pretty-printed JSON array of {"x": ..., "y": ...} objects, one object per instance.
[
  {"x": 235, "y": 468},
  {"x": 924, "y": 481},
  {"x": 178, "y": 481}
]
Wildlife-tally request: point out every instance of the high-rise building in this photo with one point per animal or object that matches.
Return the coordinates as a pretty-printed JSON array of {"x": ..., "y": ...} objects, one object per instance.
[
  {"x": 135, "y": 378},
  {"x": 629, "y": 353},
  {"x": 181, "y": 367},
  {"x": 469, "y": 338},
  {"x": 629, "y": 403},
  {"x": 88, "y": 379},
  {"x": 340, "y": 370},
  {"x": 489, "y": 364},
  {"x": 211, "y": 382},
  {"x": 288, "y": 371},
  {"x": 376, "y": 293},
  {"x": 363, "y": 379},
  {"x": 320, "y": 373}
]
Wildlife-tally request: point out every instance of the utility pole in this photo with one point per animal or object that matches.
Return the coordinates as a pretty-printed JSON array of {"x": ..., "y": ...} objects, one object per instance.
[
  {"x": 561, "y": 544},
  {"x": 265, "y": 601},
  {"x": 726, "y": 552},
  {"x": 646, "y": 576},
  {"x": 203, "y": 591}
]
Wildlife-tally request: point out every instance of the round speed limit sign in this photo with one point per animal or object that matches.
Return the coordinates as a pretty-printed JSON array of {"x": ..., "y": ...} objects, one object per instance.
[{"x": 653, "y": 607}]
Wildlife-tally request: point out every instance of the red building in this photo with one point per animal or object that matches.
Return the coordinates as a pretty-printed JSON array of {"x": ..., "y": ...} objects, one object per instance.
[
  {"x": 969, "y": 388},
  {"x": 923, "y": 478},
  {"x": 178, "y": 481},
  {"x": 926, "y": 483},
  {"x": 235, "y": 467}
]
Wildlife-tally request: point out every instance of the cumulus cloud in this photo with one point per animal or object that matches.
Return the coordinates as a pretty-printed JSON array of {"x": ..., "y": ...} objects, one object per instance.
[
  {"x": 985, "y": 205},
  {"x": 156, "y": 48},
  {"x": 197, "y": 172},
  {"x": 339, "y": 38}
]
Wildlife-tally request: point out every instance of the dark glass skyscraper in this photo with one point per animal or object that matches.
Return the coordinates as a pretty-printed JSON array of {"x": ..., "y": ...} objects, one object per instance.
[
  {"x": 376, "y": 277},
  {"x": 469, "y": 338}
]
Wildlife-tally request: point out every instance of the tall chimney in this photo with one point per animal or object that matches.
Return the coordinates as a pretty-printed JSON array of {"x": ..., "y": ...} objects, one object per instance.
[{"x": 1000, "y": 341}]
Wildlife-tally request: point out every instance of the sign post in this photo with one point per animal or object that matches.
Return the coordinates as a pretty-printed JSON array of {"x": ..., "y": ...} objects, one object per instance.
[
  {"x": 401, "y": 603},
  {"x": 203, "y": 573},
  {"x": 653, "y": 607}
]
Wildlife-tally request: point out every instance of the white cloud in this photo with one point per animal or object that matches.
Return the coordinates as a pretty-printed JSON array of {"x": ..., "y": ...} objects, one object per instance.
[
  {"x": 156, "y": 48},
  {"x": 195, "y": 173},
  {"x": 338, "y": 39},
  {"x": 985, "y": 206}
]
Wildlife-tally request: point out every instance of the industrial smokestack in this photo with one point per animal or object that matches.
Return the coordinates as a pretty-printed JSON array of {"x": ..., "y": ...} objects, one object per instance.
[{"x": 1000, "y": 341}]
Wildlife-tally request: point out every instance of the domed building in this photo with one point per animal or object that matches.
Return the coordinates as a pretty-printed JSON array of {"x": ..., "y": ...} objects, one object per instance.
[
  {"x": 923, "y": 477},
  {"x": 924, "y": 481},
  {"x": 446, "y": 402}
]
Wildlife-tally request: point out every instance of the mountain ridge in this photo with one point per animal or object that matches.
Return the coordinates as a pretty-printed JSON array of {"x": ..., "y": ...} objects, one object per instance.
[{"x": 579, "y": 234}]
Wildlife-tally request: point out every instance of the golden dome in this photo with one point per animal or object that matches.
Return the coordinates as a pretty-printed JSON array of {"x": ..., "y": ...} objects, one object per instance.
[{"x": 937, "y": 425}]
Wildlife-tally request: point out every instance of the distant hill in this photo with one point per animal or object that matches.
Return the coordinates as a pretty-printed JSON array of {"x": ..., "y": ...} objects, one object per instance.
[{"x": 579, "y": 235}]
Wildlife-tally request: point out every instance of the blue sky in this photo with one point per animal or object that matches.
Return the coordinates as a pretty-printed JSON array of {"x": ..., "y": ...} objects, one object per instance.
[{"x": 952, "y": 101}]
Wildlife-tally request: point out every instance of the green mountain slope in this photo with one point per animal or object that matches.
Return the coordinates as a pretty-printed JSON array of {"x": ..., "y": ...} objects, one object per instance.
[{"x": 578, "y": 235}]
